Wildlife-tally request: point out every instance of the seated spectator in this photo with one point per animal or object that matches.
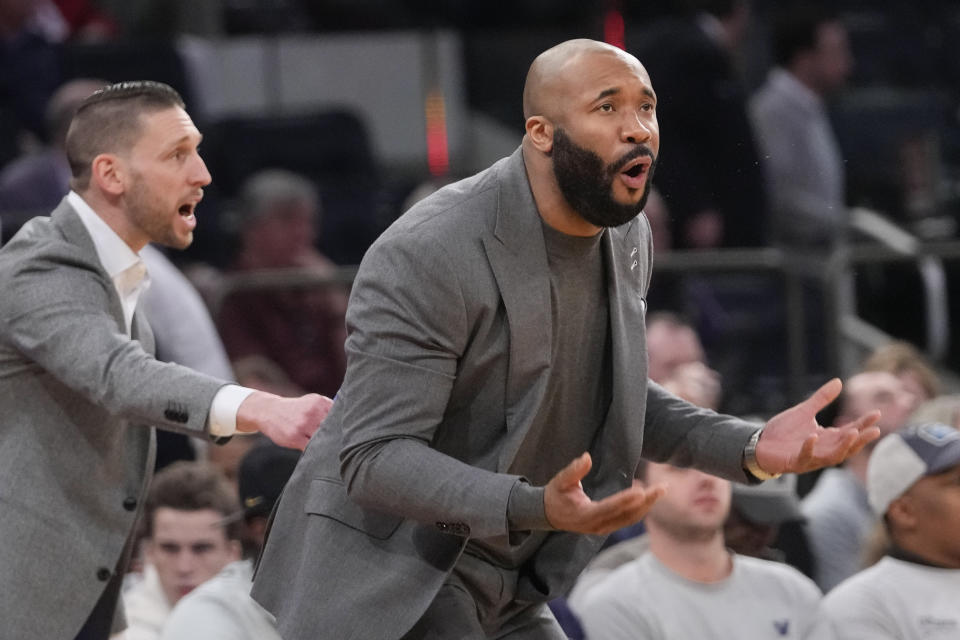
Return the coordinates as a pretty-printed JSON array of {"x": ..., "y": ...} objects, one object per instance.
[
  {"x": 34, "y": 183},
  {"x": 839, "y": 519},
  {"x": 221, "y": 608},
  {"x": 943, "y": 408},
  {"x": 689, "y": 586},
  {"x": 302, "y": 330},
  {"x": 905, "y": 361},
  {"x": 756, "y": 514},
  {"x": 676, "y": 360},
  {"x": 186, "y": 542},
  {"x": 913, "y": 482},
  {"x": 766, "y": 522}
]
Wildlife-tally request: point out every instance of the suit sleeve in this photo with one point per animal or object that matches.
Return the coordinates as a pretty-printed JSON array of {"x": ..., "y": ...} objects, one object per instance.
[
  {"x": 55, "y": 313},
  {"x": 408, "y": 327},
  {"x": 685, "y": 435}
]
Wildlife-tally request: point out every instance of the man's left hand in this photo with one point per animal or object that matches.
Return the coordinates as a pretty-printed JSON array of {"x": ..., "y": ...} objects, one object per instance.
[{"x": 793, "y": 442}]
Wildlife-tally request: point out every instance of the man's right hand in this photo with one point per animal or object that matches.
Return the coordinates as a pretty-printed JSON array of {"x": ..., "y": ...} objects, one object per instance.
[
  {"x": 568, "y": 508},
  {"x": 289, "y": 422}
]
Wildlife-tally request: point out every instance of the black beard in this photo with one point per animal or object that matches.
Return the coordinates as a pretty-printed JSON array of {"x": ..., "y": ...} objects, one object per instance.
[{"x": 587, "y": 184}]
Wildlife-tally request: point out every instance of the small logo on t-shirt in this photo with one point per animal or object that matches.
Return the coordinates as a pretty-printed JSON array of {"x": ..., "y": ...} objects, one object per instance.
[
  {"x": 782, "y": 626},
  {"x": 929, "y": 625}
]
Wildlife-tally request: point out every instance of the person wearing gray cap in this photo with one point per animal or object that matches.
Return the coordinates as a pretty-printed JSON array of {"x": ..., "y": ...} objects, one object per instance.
[
  {"x": 766, "y": 521},
  {"x": 913, "y": 592}
]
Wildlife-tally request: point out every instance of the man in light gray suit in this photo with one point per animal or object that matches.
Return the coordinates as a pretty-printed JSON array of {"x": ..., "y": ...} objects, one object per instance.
[
  {"x": 78, "y": 383},
  {"x": 496, "y": 331}
]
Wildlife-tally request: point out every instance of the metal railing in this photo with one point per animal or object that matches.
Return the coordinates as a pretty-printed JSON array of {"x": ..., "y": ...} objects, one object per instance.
[{"x": 849, "y": 337}]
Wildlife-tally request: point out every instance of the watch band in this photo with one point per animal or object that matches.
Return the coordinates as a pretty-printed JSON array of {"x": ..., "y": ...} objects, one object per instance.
[{"x": 750, "y": 459}]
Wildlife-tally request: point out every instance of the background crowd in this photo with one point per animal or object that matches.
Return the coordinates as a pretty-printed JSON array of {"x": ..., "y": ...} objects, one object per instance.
[{"x": 780, "y": 126}]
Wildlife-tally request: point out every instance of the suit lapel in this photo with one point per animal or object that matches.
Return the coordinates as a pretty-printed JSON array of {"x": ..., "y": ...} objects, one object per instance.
[
  {"x": 70, "y": 225},
  {"x": 518, "y": 258},
  {"x": 140, "y": 329},
  {"x": 618, "y": 448}
]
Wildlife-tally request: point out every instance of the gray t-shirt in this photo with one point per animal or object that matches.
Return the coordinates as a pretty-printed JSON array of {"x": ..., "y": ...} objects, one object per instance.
[
  {"x": 579, "y": 385},
  {"x": 894, "y": 600},
  {"x": 644, "y": 600},
  {"x": 839, "y": 522}
]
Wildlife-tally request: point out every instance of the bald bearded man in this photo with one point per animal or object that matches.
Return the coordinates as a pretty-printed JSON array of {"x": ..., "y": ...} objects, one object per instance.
[{"x": 496, "y": 332}]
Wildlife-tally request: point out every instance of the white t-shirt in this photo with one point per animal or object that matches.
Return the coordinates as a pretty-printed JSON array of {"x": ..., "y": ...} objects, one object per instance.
[
  {"x": 895, "y": 599},
  {"x": 644, "y": 600},
  {"x": 222, "y": 609}
]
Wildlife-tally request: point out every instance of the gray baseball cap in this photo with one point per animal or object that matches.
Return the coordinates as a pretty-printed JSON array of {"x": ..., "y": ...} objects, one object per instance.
[
  {"x": 905, "y": 456},
  {"x": 772, "y": 502}
]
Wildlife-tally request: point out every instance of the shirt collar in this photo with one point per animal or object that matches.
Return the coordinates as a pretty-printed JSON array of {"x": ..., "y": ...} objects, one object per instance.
[{"x": 115, "y": 255}]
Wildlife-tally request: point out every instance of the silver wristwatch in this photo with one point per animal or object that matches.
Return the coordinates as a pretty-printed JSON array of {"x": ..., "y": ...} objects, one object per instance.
[{"x": 750, "y": 459}]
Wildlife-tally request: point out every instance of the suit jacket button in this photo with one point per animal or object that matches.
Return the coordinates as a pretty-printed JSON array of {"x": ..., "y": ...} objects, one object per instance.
[
  {"x": 443, "y": 526},
  {"x": 129, "y": 503},
  {"x": 103, "y": 574}
]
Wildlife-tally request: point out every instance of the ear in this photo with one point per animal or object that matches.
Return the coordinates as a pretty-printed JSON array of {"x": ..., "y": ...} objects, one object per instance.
[
  {"x": 236, "y": 550},
  {"x": 109, "y": 172},
  {"x": 540, "y": 132},
  {"x": 902, "y": 513}
]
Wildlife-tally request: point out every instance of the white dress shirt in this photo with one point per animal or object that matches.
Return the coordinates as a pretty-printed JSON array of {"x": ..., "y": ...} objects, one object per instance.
[{"x": 129, "y": 275}]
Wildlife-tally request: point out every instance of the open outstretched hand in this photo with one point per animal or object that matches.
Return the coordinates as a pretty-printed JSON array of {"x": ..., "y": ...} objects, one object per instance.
[
  {"x": 793, "y": 442},
  {"x": 569, "y": 508}
]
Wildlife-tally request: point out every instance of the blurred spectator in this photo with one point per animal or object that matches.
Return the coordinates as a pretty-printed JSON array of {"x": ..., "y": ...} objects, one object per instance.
[
  {"x": 85, "y": 21},
  {"x": 186, "y": 542},
  {"x": 800, "y": 153},
  {"x": 913, "y": 483},
  {"x": 689, "y": 586},
  {"x": 29, "y": 70},
  {"x": 35, "y": 182},
  {"x": 260, "y": 372},
  {"x": 709, "y": 174},
  {"x": 756, "y": 514},
  {"x": 766, "y": 522},
  {"x": 302, "y": 330},
  {"x": 943, "y": 408},
  {"x": 677, "y": 360},
  {"x": 905, "y": 361},
  {"x": 839, "y": 518},
  {"x": 222, "y": 606}
]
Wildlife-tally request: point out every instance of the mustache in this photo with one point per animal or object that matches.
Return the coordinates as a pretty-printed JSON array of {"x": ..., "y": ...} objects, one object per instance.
[{"x": 637, "y": 152}]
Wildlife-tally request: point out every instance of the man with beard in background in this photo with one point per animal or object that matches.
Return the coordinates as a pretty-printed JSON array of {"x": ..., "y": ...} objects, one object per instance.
[{"x": 496, "y": 332}]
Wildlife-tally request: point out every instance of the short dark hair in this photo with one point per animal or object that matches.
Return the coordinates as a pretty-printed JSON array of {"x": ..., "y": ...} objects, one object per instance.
[
  {"x": 109, "y": 121},
  {"x": 192, "y": 486},
  {"x": 795, "y": 30}
]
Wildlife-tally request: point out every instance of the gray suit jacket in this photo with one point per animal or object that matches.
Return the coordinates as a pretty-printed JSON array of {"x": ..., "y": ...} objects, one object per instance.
[
  {"x": 75, "y": 456},
  {"x": 448, "y": 358}
]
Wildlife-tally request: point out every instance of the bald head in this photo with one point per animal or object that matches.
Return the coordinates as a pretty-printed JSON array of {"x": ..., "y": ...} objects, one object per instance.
[{"x": 556, "y": 68}]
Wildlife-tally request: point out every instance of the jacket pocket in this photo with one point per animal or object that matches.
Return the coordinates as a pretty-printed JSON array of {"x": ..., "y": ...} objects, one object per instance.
[{"x": 328, "y": 498}]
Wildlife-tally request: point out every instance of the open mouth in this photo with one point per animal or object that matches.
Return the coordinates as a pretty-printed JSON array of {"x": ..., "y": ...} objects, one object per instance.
[
  {"x": 634, "y": 174},
  {"x": 186, "y": 210}
]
